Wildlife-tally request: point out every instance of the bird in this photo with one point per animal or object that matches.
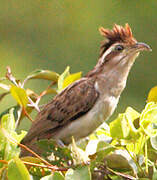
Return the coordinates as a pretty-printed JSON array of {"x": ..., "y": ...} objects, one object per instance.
[{"x": 79, "y": 109}]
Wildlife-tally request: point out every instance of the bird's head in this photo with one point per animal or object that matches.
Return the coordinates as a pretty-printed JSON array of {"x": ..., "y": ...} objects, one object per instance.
[{"x": 119, "y": 46}]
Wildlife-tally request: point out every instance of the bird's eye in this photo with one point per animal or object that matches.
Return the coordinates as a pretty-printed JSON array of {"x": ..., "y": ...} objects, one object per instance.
[{"x": 119, "y": 48}]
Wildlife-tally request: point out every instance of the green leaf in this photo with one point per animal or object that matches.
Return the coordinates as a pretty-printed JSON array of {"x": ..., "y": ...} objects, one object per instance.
[
  {"x": 17, "y": 170},
  {"x": 11, "y": 149},
  {"x": 148, "y": 119},
  {"x": 55, "y": 176},
  {"x": 150, "y": 112},
  {"x": 153, "y": 141},
  {"x": 19, "y": 95},
  {"x": 137, "y": 145},
  {"x": 71, "y": 78},
  {"x": 49, "y": 177},
  {"x": 102, "y": 134},
  {"x": 103, "y": 149},
  {"x": 152, "y": 96},
  {"x": 8, "y": 121},
  {"x": 7, "y": 133},
  {"x": 120, "y": 159},
  {"x": 15, "y": 112},
  {"x": 62, "y": 78},
  {"x": 97, "y": 145},
  {"x": 123, "y": 126},
  {"x": 66, "y": 78},
  {"x": 44, "y": 74},
  {"x": 97, "y": 151},
  {"x": 61, "y": 154},
  {"x": 119, "y": 128},
  {"x": 131, "y": 116},
  {"x": 19, "y": 137},
  {"x": 58, "y": 176},
  {"x": 81, "y": 173}
]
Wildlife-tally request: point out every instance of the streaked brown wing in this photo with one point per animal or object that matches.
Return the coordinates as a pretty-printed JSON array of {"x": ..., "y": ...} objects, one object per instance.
[{"x": 70, "y": 104}]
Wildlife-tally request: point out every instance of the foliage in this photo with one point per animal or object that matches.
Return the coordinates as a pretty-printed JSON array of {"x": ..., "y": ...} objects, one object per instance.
[{"x": 124, "y": 149}]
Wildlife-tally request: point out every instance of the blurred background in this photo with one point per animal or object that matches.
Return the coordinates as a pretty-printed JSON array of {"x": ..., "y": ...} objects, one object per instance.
[{"x": 51, "y": 34}]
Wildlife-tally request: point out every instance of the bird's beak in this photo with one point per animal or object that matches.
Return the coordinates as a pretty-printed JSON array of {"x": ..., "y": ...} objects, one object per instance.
[{"x": 142, "y": 47}]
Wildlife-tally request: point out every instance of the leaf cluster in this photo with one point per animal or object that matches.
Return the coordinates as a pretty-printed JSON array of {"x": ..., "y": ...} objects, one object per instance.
[{"x": 124, "y": 149}]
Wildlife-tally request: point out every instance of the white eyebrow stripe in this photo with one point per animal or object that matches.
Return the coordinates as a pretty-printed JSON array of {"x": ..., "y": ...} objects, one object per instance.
[
  {"x": 105, "y": 54},
  {"x": 108, "y": 51}
]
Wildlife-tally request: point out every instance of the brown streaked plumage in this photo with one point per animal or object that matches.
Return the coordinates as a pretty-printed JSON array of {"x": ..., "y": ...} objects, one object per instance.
[
  {"x": 80, "y": 108},
  {"x": 63, "y": 109}
]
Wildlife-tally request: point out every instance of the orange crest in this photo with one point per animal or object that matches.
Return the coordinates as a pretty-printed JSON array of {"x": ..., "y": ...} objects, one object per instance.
[{"x": 117, "y": 34}]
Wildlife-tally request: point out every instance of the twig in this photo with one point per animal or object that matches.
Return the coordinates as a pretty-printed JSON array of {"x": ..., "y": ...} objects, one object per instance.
[
  {"x": 32, "y": 152},
  {"x": 19, "y": 112},
  {"x": 32, "y": 104},
  {"x": 135, "y": 161},
  {"x": 44, "y": 166},
  {"x": 146, "y": 155},
  {"x": 38, "y": 165},
  {"x": 27, "y": 115},
  {"x": 43, "y": 93},
  {"x": 10, "y": 77},
  {"x": 48, "y": 165},
  {"x": 49, "y": 86},
  {"x": 121, "y": 174},
  {"x": 3, "y": 161}
]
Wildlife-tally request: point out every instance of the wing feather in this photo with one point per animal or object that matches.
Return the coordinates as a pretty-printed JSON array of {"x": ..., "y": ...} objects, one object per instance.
[{"x": 72, "y": 103}]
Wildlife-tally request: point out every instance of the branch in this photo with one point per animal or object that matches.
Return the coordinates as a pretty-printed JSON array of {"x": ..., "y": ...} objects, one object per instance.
[
  {"x": 3, "y": 161},
  {"x": 44, "y": 166},
  {"x": 27, "y": 115}
]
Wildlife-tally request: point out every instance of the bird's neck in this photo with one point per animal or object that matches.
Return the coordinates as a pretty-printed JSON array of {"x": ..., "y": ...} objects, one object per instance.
[{"x": 112, "y": 76}]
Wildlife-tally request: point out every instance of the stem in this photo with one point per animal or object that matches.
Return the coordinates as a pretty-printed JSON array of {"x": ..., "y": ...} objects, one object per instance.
[
  {"x": 19, "y": 112},
  {"x": 146, "y": 156},
  {"x": 27, "y": 115},
  {"x": 38, "y": 165},
  {"x": 35, "y": 105},
  {"x": 142, "y": 136},
  {"x": 121, "y": 174},
  {"x": 4, "y": 161},
  {"x": 32, "y": 152},
  {"x": 49, "y": 86},
  {"x": 10, "y": 77},
  {"x": 44, "y": 166},
  {"x": 135, "y": 161}
]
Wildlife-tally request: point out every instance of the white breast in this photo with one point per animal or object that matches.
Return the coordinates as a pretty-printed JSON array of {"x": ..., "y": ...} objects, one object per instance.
[{"x": 86, "y": 124}]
